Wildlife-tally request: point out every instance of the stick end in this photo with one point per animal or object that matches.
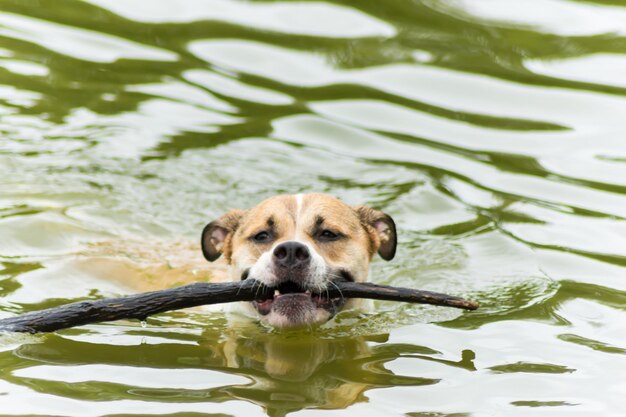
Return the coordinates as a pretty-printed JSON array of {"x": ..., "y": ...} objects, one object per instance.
[{"x": 471, "y": 305}]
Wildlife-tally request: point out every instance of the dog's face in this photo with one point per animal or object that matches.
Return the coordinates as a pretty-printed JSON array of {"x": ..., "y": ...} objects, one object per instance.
[{"x": 298, "y": 245}]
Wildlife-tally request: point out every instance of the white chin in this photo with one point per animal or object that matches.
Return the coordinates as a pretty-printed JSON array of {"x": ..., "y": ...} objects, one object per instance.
[{"x": 283, "y": 321}]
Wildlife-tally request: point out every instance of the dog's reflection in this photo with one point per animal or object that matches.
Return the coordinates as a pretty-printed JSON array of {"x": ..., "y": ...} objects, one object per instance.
[
  {"x": 292, "y": 371},
  {"x": 295, "y": 371},
  {"x": 287, "y": 371}
]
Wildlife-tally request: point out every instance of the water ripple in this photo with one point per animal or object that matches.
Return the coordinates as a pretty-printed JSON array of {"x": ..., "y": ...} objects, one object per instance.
[{"x": 491, "y": 131}]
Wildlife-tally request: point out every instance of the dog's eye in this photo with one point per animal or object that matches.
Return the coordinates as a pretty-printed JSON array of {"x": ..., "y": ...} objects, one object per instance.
[
  {"x": 262, "y": 237},
  {"x": 328, "y": 235}
]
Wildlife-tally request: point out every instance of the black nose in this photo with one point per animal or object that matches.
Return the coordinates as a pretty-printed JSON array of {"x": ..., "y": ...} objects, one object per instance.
[{"x": 291, "y": 255}]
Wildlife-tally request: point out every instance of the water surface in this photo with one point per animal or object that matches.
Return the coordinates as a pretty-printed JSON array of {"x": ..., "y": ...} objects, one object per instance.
[{"x": 491, "y": 131}]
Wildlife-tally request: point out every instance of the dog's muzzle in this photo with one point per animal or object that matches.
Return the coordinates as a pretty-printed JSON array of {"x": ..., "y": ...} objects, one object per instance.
[{"x": 296, "y": 287}]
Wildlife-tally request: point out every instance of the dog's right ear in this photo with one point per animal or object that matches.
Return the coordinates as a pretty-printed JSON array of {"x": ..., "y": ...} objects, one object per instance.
[{"x": 216, "y": 235}]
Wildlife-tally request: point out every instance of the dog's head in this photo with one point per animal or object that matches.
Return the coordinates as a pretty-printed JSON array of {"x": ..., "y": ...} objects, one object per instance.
[{"x": 298, "y": 245}]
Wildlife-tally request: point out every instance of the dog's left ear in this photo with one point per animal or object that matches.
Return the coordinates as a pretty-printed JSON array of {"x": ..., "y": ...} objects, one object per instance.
[
  {"x": 216, "y": 235},
  {"x": 382, "y": 231}
]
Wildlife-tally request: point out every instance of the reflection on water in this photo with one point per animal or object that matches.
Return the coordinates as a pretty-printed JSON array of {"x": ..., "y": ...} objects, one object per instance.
[
  {"x": 492, "y": 131},
  {"x": 281, "y": 373}
]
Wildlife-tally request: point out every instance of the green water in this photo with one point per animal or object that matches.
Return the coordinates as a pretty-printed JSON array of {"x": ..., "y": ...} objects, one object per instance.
[{"x": 494, "y": 133}]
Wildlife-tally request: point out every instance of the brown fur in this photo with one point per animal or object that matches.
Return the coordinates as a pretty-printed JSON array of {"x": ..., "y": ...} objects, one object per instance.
[{"x": 357, "y": 224}]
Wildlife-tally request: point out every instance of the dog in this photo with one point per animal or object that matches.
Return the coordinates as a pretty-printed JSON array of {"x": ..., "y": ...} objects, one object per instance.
[{"x": 298, "y": 245}]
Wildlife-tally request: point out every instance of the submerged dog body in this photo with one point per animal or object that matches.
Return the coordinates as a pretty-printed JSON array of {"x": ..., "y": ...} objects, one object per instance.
[{"x": 298, "y": 245}]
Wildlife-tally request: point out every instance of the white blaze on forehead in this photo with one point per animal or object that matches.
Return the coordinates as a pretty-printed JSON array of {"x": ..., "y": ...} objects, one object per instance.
[{"x": 299, "y": 200}]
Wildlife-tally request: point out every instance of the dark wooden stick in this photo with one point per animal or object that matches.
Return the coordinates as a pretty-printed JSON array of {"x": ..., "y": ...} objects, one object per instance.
[
  {"x": 140, "y": 306},
  {"x": 137, "y": 306},
  {"x": 408, "y": 295}
]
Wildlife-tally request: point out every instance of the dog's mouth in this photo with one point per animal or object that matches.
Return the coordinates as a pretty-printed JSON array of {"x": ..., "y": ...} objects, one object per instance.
[
  {"x": 292, "y": 300},
  {"x": 289, "y": 297}
]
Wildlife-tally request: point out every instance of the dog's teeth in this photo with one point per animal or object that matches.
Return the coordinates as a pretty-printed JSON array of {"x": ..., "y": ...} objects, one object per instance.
[{"x": 276, "y": 292}]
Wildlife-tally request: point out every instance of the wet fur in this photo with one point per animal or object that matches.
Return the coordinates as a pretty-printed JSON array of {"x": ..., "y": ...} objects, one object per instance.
[{"x": 364, "y": 231}]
